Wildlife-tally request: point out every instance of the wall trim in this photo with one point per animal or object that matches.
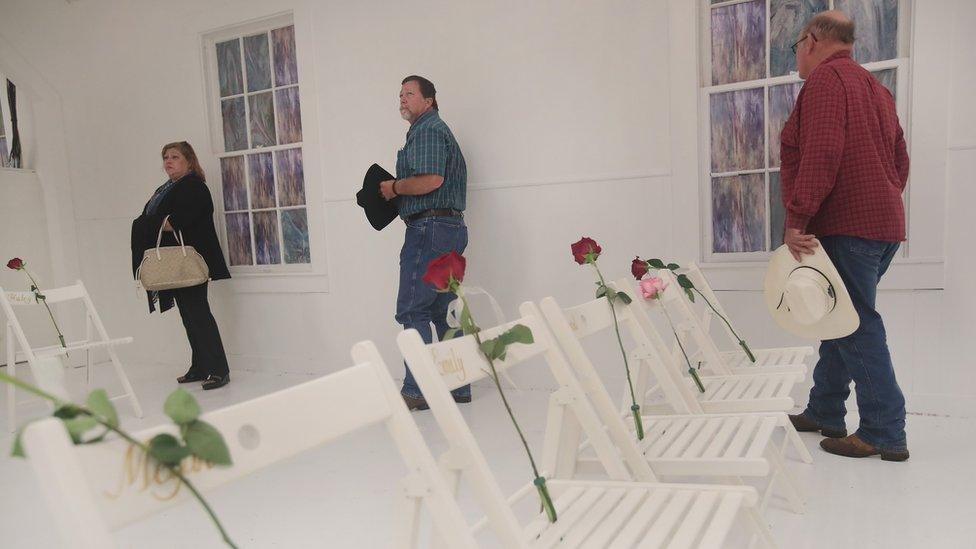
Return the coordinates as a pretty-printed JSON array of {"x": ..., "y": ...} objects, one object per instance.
[{"x": 526, "y": 183}]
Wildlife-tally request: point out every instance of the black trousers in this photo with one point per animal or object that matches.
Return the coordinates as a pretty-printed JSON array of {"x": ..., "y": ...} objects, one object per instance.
[{"x": 201, "y": 330}]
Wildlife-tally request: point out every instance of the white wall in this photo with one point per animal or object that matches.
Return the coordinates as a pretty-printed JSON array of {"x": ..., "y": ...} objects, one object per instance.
[
  {"x": 561, "y": 109},
  {"x": 576, "y": 118},
  {"x": 927, "y": 306}
]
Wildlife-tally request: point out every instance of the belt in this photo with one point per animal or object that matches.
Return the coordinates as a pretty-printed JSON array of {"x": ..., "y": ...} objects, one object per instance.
[{"x": 439, "y": 212}]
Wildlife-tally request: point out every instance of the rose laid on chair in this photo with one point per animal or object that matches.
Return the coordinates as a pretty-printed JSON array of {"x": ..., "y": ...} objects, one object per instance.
[
  {"x": 445, "y": 274},
  {"x": 586, "y": 250},
  {"x": 18, "y": 264},
  {"x": 653, "y": 288},
  {"x": 640, "y": 267}
]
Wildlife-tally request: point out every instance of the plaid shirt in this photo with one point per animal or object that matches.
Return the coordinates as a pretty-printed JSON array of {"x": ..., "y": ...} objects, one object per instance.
[
  {"x": 844, "y": 160},
  {"x": 432, "y": 149}
]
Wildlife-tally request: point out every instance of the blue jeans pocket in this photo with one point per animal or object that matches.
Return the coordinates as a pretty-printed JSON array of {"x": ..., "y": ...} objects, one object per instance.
[{"x": 447, "y": 236}]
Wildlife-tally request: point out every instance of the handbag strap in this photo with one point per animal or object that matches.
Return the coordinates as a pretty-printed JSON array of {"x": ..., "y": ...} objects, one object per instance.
[{"x": 159, "y": 239}]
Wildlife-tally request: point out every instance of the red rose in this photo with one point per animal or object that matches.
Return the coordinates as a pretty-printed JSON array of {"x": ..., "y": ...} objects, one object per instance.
[
  {"x": 440, "y": 271},
  {"x": 15, "y": 264},
  {"x": 584, "y": 247},
  {"x": 638, "y": 268}
]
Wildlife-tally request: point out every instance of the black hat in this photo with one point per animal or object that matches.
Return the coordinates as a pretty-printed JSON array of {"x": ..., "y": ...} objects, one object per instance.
[{"x": 379, "y": 211}]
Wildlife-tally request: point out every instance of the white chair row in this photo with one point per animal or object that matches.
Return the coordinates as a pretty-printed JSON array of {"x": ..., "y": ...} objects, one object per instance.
[{"x": 632, "y": 508}]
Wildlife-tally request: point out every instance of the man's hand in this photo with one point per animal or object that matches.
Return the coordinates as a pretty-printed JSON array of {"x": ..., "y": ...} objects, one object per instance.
[
  {"x": 386, "y": 189},
  {"x": 799, "y": 243}
]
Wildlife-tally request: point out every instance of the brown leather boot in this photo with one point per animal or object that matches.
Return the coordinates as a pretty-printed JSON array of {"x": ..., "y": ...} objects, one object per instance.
[
  {"x": 853, "y": 446},
  {"x": 415, "y": 403},
  {"x": 804, "y": 424}
]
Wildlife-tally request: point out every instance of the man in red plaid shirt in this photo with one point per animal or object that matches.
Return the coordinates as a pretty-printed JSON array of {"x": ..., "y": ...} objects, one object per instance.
[{"x": 844, "y": 168}]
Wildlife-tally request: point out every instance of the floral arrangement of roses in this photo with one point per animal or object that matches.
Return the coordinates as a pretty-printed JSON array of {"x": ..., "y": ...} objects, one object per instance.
[
  {"x": 586, "y": 252},
  {"x": 445, "y": 274},
  {"x": 653, "y": 288},
  {"x": 640, "y": 267}
]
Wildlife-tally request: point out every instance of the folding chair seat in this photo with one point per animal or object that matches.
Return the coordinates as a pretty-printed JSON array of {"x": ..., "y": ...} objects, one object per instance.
[{"x": 710, "y": 445}]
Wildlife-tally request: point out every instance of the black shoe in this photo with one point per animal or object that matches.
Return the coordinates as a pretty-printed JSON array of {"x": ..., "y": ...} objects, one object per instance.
[
  {"x": 190, "y": 376},
  {"x": 215, "y": 382},
  {"x": 415, "y": 403},
  {"x": 461, "y": 399},
  {"x": 804, "y": 424}
]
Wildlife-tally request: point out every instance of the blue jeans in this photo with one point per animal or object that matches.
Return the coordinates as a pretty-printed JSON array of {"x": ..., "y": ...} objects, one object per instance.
[
  {"x": 862, "y": 356},
  {"x": 417, "y": 303}
]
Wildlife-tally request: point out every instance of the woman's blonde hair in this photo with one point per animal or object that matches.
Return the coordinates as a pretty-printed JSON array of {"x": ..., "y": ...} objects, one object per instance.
[{"x": 189, "y": 154}]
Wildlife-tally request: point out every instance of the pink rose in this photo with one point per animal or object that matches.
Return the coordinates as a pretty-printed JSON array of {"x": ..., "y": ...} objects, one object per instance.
[{"x": 652, "y": 288}]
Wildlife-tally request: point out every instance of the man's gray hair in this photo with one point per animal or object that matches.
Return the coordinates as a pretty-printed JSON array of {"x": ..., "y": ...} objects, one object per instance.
[{"x": 828, "y": 26}]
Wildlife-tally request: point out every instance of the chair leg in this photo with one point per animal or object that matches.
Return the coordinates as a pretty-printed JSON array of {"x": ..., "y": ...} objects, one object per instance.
[
  {"x": 761, "y": 530},
  {"x": 125, "y": 382},
  {"x": 794, "y": 437},
  {"x": 790, "y": 488}
]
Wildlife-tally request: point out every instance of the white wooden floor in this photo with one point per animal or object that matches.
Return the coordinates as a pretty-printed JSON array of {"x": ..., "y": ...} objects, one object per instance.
[{"x": 341, "y": 496}]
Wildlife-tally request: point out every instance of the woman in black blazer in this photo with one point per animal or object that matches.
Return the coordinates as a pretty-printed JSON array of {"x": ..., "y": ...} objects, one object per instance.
[{"x": 186, "y": 199}]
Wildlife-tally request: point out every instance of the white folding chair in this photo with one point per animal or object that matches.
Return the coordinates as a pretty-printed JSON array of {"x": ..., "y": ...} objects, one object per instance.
[
  {"x": 725, "y": 362},
  {"x": 81, "y": 483},
  {"x": 591, "y": 513},
  {"x": 724, "y": 446},
  {"x": 96, "y": 337},
  {"x": 744, "y": 390}
]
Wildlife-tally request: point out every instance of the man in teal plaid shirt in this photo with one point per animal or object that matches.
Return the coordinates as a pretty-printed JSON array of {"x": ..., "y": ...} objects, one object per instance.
[{"x": 432, "y": 183}]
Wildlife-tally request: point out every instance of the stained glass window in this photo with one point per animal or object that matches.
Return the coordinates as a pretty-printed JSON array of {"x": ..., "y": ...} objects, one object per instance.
[
  {"x": 751, "y": 86},
  {"x": 261, "y": 166}
]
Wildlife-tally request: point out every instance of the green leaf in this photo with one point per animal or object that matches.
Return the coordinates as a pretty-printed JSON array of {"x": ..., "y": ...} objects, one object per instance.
[
  {"x": 520, "y": 333},
  {"x": 601, "y": 291},
  {"x": 79, "y": 425},
  {"x": 207, "y": 443},
  {"x": 67, "y": 411},
  {"x": 99, "y": 403},
  {"x": 488, "y": 348},
  {"x": 690, "y": 294},
  {"x": 685, "y": 282},
  {"x": 166, "y": 449},
  {"x": 18, "y": 448},
  {"x": 656, "y": 263},
  {"x": 624, "y": 297},
  {"x": 451, "y": 334},
  {"x": 673, "y": 266},
  {"x": 181, "y": 407}
]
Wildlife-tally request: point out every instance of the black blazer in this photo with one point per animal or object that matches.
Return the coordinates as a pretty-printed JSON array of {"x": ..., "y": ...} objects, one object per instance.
[{"x": 190, "y": 209}]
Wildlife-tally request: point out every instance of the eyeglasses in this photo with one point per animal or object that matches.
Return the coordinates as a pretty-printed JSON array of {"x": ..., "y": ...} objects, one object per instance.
[{"x": 797, "y": 43}]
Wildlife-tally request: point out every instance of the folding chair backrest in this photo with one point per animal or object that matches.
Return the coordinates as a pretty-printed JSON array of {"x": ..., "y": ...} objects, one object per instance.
[
  {"x": 443, "y": 366},
  {"x": 96, "y": 489},
  {"x": 10, "y": 300},
  {"x": 697, "y": 277},
  {"x": 664, "y": 360}
]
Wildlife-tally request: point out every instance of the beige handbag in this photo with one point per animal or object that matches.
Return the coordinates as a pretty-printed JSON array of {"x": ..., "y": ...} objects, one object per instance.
[{"x": 171, "y": 267}]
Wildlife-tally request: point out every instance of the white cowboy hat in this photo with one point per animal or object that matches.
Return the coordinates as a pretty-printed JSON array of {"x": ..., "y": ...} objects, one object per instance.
[{"x": 808, "y": 298}]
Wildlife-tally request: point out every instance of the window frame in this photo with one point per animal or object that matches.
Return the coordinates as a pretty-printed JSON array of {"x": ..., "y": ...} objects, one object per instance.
[
  {"x": 316, "y": 266},
  {"x": 901, "y": 64}
]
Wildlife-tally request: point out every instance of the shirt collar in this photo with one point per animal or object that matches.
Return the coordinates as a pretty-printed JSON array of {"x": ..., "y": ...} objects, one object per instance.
[
  {"x": 427, "y": 116},
  {"x": 842, "y": 54}
]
